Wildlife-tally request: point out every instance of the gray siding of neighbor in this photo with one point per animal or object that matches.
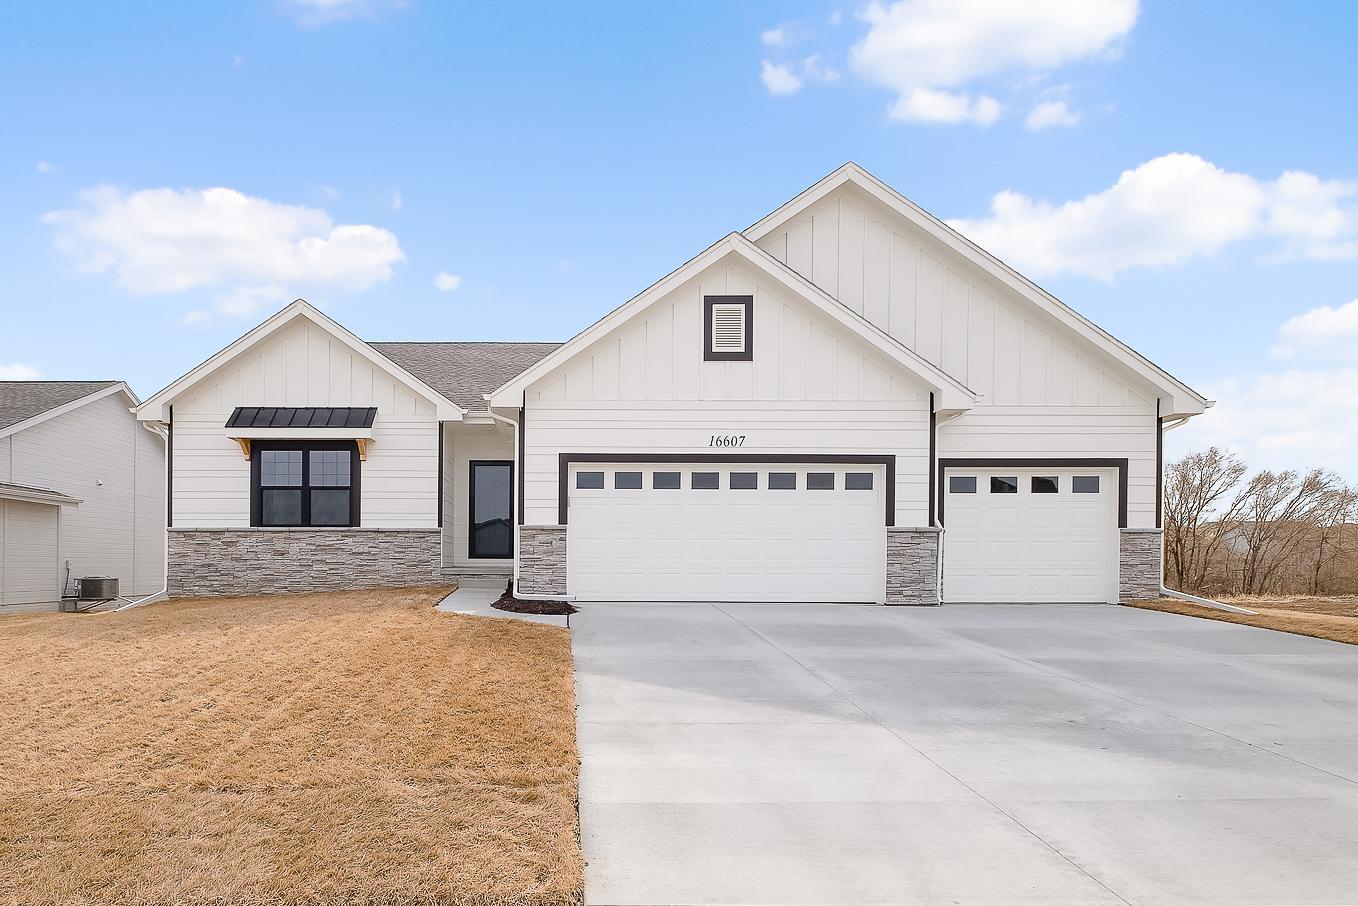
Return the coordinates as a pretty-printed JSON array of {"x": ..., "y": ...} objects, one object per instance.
[
  {"x": 28, "y": 552},
  {"x": 101, "y": 455},
  {"x": 218, "y": 562}
]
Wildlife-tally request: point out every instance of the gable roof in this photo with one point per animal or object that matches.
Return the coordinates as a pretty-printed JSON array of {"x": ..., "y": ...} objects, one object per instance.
[
  {"x": 1183, "y": 400},
  {"x": 155, "y": 409},
  {"x": 465, "y": 372},
  {"x": 24, "y": 404},
  {"x": 953, "y": 395}
]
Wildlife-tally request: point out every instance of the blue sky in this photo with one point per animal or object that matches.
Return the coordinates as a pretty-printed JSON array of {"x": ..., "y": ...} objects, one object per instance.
[{"x": 551, "y": 160}]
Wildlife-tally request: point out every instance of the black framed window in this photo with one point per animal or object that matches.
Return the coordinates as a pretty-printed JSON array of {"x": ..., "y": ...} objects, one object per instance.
[
  {"x": 1003, "y": 485},
  {"x": 1046, "y": 484},
  {"x": 490, "y": 493},
  {"x": 295, "y": 483}
]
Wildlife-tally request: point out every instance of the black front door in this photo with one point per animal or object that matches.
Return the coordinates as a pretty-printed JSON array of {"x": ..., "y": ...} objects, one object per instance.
[{"x": 491, "y": 492}]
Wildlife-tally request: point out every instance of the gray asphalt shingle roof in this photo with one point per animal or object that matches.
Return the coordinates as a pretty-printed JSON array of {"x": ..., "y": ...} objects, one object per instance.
[
  {"x": 465, "y": 372},
  {"x": 20, "y": 400}
]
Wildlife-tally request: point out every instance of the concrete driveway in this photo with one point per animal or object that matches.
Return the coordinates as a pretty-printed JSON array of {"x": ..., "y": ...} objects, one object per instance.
[{"x": 797, "y": 754}]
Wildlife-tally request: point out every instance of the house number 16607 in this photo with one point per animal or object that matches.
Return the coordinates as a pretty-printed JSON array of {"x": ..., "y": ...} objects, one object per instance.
[{"x": 727, "y": 440}]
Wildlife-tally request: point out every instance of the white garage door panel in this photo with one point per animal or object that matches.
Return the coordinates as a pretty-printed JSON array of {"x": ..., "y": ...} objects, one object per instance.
[
  {"x": 1029, "y": 547},
  {"x": 724, "y": 544},
  {"x": 30, "y": 573}
]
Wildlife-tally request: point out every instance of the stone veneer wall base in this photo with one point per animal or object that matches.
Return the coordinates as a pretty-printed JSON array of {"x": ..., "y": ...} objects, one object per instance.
[
  {"x": 1140, "y": 561},
  {"x": 542, "y": 560},
  {"x": 213, "y": 562},
  {"x": 912, "y": 565}
]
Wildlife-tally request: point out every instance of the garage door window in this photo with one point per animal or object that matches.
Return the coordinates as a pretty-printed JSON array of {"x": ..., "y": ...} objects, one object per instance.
[
  {"x": 820, "y": 481},
  {"x": 1001, "y": 485},
  {"x": 1084, "y": 484},
  {"x": 782, "y": 481},
  {"x": 627, "y": 481},
  {"x": 744, "y": 481},
  {"x": 705, "y": 481},
  {"x": 589, "y": 480},
  {"x": 962, "y": 484},
  {"x": 1043, "y": 484},
  {"x": 858, "y": 481},
  {"x": 665, "y": 481}
]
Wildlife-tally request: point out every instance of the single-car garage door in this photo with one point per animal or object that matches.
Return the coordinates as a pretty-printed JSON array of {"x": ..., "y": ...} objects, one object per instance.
[
  {"x": 1029, "y": 535},
  {"x": 803, "y": 533},
  {"x": 28, "y": 552}
]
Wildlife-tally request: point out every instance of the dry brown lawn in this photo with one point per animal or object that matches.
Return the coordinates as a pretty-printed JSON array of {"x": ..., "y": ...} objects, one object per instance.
[
  {"x": 353, "y": 747},
  {"x": 1324, "y": 618}
]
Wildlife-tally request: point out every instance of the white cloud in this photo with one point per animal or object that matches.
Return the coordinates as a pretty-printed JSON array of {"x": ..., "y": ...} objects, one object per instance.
[
  {"x": 777, "y": 37},
  {"x": 779, "y": 79},
  {"x": 1321, "y": 333},
  {"x": 43, "y": 166},
  {"x": 323, "y": 12},
  {"x": 1290, "y": 419},
  {"x": 243, "y": 302},
  {"x": 1051, "y": 113},
  {"x": 392, "y": 198},
  {"x": 16, "y": 371},
  {"x": 157, "y": 241},
  {"x": 1164, "y": 212},
  {"x": 447, "y": 282},
  {"x": 928, "y": 50},
  {"x": 925, "y": 105},
  {"x": 815, "y": 69}
]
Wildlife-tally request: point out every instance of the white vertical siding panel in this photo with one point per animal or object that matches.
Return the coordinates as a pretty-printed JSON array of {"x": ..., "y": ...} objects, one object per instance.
[
  {"x": 1008, "y": 343},
  {"x": 1033, "y": 366},
  {"x": 688, "y": 338},
  {"x": 852, "y": 255},
  {"x": 981, "y": 345},
  {"x": 768, "y": 353},
  {"x": 1088, "y": 383},
  {"x": 877, "y": 274},
  {"x": 820, "y": 364},
  {"x": 1060, "y": 365},
  {"x": 795, "y": 349},
  {"x": 800, "y": 240},
  {"x": 632, "y": 356},
  {"x": 659, "y": 352},
  {"x": 904, "y": 290},
  {"x": 929, "y": 309},
  {"x": 606, "y": 369},
  {"x": 848, "y": 380},
  {"x": 825, "y": 247},
  {"x": 956, "y": 311}
]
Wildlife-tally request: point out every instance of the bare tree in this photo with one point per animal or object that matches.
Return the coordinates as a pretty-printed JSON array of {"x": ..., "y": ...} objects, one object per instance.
[
  {"x": 1196, "y": 487},
  {"x": 1333, "y": 541},
  {"x": 1279, "y": 512}
]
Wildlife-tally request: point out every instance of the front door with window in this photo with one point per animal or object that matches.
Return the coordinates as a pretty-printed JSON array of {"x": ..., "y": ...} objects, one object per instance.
[{"x": 491, "y": 529}]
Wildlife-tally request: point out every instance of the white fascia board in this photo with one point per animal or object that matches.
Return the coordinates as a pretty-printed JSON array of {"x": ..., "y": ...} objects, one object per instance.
[
  {"x": 954, "y": 394},
  {"x": 38, "y": 495},
  {"x": 41, "y": 417},
  {"x": 156, "y": 408},
  {"x": 299, "y": 433},
  {"x": 1177, "y": 395}
]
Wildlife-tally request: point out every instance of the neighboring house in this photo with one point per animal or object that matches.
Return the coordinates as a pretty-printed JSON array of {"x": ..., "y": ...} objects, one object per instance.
[
  {"x": 847, "y": 401},
  {"x": 82, "y": 491}
]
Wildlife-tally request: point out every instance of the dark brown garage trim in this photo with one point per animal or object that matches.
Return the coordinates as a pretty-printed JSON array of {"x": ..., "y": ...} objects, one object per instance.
[
  {"x": 1120, "y": 464},
  {"x": 565, "y": 460}
]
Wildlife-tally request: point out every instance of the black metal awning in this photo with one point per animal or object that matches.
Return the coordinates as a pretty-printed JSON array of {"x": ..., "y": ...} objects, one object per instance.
[{"x": 301, "y": 417}]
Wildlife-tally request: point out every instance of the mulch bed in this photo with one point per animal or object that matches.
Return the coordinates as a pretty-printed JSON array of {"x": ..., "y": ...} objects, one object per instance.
[{"x": 508, "y": 602}]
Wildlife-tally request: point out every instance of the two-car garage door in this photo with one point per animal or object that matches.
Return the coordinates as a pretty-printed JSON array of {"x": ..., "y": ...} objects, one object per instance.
[
  {"x": 724, "y": 532},
  {"x": 1029, "y": 535}
]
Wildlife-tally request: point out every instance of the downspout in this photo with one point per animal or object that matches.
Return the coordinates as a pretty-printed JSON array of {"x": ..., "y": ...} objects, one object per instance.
[
  {"x": 1166, "y": 591},
  {"x": 164, "y": 592},
  {"x": 515, "y": 580}
]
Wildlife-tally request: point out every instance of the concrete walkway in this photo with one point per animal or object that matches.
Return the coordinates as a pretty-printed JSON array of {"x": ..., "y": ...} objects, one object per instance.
[
  {"x": 799, "y": 754},
  {"x": 474, "y": 597}
]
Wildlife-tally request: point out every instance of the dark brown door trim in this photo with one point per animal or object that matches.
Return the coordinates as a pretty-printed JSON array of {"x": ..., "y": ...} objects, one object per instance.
[
  {"x": 1090, "y": 463},
  {"x": 566, "y": 460}
]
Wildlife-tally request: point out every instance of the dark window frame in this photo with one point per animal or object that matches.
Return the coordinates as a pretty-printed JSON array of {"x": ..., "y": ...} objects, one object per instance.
[
  {"x": 1118, "y": 464},
  {"x": 258, "y": 447},
  {"x": 472, "y": 465},
  {"x": 708, "y": 354}
]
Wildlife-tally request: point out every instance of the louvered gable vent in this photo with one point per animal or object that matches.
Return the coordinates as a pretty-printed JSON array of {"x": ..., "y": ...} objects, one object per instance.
[{"x": 728, "y": 328}]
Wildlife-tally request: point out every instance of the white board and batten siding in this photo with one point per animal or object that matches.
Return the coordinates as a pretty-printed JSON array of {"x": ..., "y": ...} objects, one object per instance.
[
  {"x": 101, "y": 455},
  {"x": 1043, "y": 391},
  {"x": 813, "y": 387},
  {"x": 304, "y": 365}
]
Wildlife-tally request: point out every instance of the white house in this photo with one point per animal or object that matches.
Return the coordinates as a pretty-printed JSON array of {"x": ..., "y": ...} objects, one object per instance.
[
  {"x": 82, "y": 492},
  {"x": 847, "y": 401}
]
